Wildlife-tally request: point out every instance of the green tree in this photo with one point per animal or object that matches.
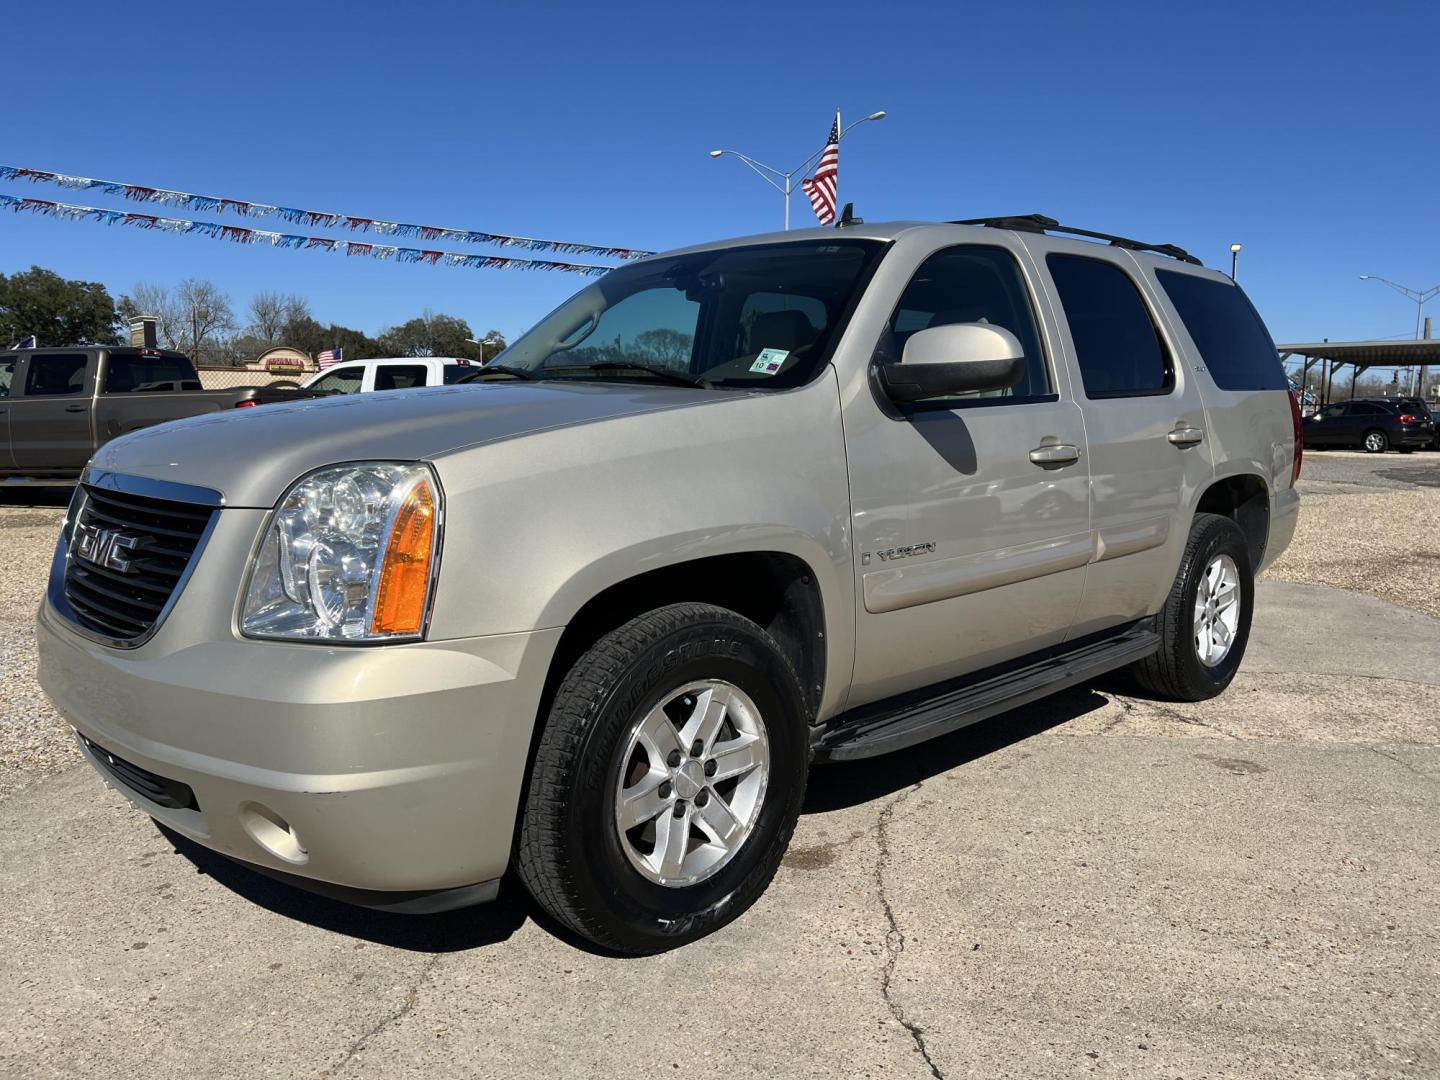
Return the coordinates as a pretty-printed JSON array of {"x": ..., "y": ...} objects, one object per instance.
[
  {"x": 431, "y": 335},
  {"x": 56, "y": 310},
  {"x": 303, "y": 332}
]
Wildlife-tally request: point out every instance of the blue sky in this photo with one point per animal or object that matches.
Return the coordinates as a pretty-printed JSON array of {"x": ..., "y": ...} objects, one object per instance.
[{"x": 1304, "y": 131}]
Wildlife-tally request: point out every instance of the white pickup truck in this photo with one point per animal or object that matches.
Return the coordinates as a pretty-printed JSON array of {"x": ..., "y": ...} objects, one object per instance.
[{"x": 391, "y": 373}]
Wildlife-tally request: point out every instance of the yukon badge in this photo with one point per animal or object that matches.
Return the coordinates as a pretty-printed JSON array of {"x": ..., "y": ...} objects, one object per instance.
[
  {"x": 906, "y": 552},
  {"x": 105, "y": 547}
]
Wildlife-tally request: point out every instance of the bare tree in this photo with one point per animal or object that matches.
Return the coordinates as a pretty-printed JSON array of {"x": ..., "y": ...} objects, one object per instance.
[
  {"x": 271, "y": 312},
  {"x": 148, "y": 298},
  {"x": 205, "y": 316}
]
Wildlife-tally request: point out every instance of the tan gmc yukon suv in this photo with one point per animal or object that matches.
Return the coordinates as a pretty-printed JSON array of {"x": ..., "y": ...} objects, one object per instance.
[{"x": 728, "y": 512}]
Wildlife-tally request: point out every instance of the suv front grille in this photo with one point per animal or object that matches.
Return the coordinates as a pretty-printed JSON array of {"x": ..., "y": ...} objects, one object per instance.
[{"x": 128, "y": 554}]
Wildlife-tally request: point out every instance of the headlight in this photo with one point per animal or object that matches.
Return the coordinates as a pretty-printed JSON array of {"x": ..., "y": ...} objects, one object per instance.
[{"x": 349, "y": 555}]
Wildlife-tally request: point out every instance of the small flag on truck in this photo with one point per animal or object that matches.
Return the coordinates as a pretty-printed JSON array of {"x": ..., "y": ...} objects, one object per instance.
[{"x": 330, "y": 357}]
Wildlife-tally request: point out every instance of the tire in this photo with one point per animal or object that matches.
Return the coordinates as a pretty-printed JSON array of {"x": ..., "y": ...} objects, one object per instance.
[
  {"x": 1405, "y": 449},
  {"x": 1176, "y": 671},
  {"x": 1375, "y": 441},
  {"x": 574, "y": 857}
]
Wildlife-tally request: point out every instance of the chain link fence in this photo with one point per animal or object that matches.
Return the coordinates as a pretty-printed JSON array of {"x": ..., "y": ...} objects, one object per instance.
[{"x": 228, "y": 378}]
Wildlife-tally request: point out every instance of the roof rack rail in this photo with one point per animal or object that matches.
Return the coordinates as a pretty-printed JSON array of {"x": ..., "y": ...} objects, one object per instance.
[{"x": 1039, "y": 223}]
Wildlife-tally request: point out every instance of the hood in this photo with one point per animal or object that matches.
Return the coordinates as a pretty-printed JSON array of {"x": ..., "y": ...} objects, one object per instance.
[{"x": 252, "y": 455}]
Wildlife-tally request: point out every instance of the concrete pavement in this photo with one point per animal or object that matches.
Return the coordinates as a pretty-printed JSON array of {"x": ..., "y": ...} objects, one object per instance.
[{"x": 1094, "y": 885}]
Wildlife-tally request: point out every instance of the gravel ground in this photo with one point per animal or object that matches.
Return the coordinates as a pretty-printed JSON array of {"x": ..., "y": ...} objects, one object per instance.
[
  {"x": 1370, "y": 524},
  {"x": 34, "y": 741}
]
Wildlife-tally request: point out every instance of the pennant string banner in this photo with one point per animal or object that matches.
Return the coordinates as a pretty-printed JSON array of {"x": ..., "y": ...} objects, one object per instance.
[
  {"x": 242, "y": 235},
  {"x": 311, "y": 218}
]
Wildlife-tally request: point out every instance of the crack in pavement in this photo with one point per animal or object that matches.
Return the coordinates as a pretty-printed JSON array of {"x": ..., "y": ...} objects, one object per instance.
[
  {"x": 395, "y": 1017},
  {"x": 894, "y": 936},
  {"x": 1130, "y": 706},
  {"x": 1374, "y": 749}
]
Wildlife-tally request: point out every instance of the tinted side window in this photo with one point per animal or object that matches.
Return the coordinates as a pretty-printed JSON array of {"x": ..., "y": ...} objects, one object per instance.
[
  {"x": 454, "y": 373},
  {"x": 1116, "y": 343},
  {"x": 55, "y": 375},
  {"x": 128, "y": 373},
  {"x": 344, "y": 381},
  {"x": 399, "y": 376},
  {"x": 1233, "y": 342},
  {"x": 971, "y": 284},
  {"x": 7, "y": 374}
]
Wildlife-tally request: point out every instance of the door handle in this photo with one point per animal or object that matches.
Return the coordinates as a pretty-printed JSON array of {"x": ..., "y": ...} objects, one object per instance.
[
  {"x": 76, "y": 408},
  {"x": 1050, "y": 454},
  {"x": 1184, "y": 435}
]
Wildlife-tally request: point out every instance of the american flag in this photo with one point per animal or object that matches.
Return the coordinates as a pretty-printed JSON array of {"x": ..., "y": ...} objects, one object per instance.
[
  {"x": 330, "y": 357},
  {"x": 26, "y": 343},
  {"x": 821, "y": 186}
]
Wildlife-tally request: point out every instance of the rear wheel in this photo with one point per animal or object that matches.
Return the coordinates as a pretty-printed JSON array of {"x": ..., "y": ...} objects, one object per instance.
[
  {"x": 1205, "y": 623},
  {"x": 1376, "y": 442},
  {"x": 668, "y": 780}
]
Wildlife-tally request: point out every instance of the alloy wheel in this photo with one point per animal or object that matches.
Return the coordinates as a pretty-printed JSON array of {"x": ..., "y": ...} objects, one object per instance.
[
  {"x": 1217, "y": 610},
  {"x": 691, "y": 783}
]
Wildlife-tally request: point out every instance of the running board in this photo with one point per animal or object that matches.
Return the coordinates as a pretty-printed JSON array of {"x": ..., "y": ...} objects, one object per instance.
[{"x": 881, "y": 728}]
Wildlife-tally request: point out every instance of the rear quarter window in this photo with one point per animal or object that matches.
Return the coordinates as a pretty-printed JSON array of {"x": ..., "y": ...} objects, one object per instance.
[{"x": 1232, "y": 341}]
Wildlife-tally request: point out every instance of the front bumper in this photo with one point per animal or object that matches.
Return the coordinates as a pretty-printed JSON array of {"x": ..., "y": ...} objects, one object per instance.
[{"x": 390, "y": 771}]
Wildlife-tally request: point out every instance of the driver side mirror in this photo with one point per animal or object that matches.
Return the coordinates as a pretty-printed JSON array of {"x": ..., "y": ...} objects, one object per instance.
[{"x": 958, "y": 358}]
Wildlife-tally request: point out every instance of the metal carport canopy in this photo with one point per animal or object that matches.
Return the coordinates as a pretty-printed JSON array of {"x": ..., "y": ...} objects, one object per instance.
[{"x": 1368, "y": 353}]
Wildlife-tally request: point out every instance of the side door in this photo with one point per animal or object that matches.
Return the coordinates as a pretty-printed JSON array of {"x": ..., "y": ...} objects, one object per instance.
[
  {"x": 1365, "y": 416},
  {"x": 8, "y": 362},
  {"x": 970, "y": 514},
  {"x": 341, "y": 379},
  {"x": 1144, "y": 422},
  {"x": 50, "y": 421},
  {"x": 1326, "y": 427},
  {"x": 401, "y": 376}
]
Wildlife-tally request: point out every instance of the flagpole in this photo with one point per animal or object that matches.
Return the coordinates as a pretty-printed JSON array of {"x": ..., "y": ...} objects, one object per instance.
[{"x": 769, "y": 173}]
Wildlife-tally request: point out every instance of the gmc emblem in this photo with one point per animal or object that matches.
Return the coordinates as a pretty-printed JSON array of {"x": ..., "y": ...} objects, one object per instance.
[{"x": 105, "y": 547}]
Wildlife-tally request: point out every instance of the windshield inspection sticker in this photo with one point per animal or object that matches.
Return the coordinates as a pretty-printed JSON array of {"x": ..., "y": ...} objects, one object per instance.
[{"x": 769, "y": 361}]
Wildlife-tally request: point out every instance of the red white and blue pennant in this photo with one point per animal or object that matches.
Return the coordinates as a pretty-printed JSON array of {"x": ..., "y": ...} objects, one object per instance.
[
  {"x": 320, "y": 219},
  {"x": 243, "y": 235}
]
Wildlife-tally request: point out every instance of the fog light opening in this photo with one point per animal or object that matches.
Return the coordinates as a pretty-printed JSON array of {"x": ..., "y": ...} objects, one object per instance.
[{"x": 272, "y": 832}]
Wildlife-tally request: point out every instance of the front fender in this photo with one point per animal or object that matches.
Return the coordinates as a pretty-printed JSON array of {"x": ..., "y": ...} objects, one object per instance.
[{"x": 538, "y": 525}]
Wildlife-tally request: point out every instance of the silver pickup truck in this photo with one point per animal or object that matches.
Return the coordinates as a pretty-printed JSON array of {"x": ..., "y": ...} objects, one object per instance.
[{"x": 727, "y": 512}]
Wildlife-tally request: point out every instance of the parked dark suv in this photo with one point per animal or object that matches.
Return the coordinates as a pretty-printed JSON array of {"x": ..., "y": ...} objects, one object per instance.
[{"x": 1372, "y": 424}]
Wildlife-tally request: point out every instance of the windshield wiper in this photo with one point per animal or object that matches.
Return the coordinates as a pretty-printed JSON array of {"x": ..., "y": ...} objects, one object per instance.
[
  {"x": 501, "y": 369},
  {"x": 679, "y": 378}
]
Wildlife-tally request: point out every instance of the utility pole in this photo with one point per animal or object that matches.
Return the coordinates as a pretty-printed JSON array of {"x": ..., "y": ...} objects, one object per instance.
[
  {"x": 1419, "y": 296},
  {"x": 786, "y": 184}
]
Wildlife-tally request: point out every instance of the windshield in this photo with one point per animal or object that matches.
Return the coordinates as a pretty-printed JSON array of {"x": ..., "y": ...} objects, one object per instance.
[{"x": 761, "y": 317}]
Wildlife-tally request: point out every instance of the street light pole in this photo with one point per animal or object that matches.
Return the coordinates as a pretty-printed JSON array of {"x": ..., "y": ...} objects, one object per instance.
[
  {"x": 1234, "y": 258},
  {"x": 1420, "y": 296},
  {"x": 784, "y": 182}
]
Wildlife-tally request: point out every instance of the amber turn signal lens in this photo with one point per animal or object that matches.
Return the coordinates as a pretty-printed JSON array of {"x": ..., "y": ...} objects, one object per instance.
[{"x": 405, "y": 574}]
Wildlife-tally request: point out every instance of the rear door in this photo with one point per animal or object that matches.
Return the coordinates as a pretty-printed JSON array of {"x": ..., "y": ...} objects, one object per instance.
[
  {"x": 7, "y": 377},
  {"x": 401, "y": 376},
  {"x": 1144, "y": 423},
  {"x": 50, "y": 422}
]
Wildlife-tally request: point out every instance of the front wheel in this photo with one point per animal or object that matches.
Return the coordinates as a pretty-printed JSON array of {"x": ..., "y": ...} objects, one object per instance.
[
  {"x": 668, "y": 780},
  {"x": 1205, "y": 623},
  {"x": 1376, "y": 442}
]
